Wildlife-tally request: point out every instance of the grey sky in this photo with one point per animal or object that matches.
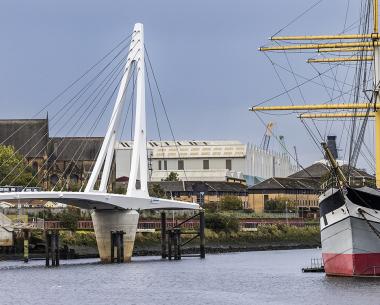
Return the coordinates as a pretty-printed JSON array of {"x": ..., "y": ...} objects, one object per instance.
[{"x": 204, "y": 53}]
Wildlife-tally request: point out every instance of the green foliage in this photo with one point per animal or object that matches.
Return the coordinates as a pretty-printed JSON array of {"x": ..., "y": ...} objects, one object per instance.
[
  {"x": 219, "y": 222},
  {"x": 278, "y": 205},
  {"x": 172, "y": 177},
  {"x": 69, "y": 218},
  {"x": 231, "y": 203},
  {"x": 211, "y": 207},
  {"x": 156, "y": 190},
  {"x": 79, "y": 238},
  {"x": 119, "y": 190},
  {"x": 14, "y": 169},
  {"x": 266, "y": 234}
]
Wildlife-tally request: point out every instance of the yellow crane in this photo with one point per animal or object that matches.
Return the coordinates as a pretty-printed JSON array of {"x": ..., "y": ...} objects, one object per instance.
[{"x": 352, "y": 43}]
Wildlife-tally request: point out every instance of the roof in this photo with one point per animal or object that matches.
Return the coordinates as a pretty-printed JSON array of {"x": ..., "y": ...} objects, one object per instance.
[
  {"x": 316, "y": 170},
  {"x": 355, "y": 172},
  {"x": 319, "y": 170},
  {"x": 75, "y": 148},
  {"x": 288, "y": 183},
  {"x": 210, "y": 186},
  {"x": 28, "y": 136},
  {"x": 122, "y": 179}
]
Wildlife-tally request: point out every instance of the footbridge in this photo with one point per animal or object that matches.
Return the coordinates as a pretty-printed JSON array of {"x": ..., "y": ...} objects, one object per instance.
[{"x": 115, "y": 212}]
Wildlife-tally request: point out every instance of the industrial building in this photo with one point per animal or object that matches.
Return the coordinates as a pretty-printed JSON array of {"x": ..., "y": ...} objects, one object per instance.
[
  {"x": 69, "y": 160},
  {"x": 207, "y": 161}
]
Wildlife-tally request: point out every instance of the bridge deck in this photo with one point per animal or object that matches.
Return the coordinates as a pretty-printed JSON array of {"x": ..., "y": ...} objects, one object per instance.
[{"x": 102, "y": 201}]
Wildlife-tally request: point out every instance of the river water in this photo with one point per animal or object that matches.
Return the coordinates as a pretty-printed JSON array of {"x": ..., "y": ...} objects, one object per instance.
[{"x": 267, "y": 277}]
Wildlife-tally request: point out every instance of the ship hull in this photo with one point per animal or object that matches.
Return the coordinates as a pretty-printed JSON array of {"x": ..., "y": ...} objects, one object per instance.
[{"x": 350, "y": 233}]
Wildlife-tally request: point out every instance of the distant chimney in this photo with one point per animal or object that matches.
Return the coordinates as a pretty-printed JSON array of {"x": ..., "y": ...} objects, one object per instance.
[{"x": 331, "y": 144}]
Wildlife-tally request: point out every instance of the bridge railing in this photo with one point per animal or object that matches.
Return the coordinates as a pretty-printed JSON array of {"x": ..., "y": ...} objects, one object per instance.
[{"x": 156, "y": 225}]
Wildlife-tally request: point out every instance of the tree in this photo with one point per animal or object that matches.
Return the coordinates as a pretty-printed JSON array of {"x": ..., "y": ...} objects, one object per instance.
[
  {"x": 172, "y": 177},
  {"x": 14, "y": 168},
  {"x": 156, "y": 190},
  {"x": 69, "y": 218},
  {"x": 231, "y": 203},
  {"x": 218, "y": 223},
  {"x": 278, "y": 205}
]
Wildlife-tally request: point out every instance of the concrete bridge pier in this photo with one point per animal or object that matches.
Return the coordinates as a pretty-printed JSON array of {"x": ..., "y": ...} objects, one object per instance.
[{"x": 106, "y": 221}]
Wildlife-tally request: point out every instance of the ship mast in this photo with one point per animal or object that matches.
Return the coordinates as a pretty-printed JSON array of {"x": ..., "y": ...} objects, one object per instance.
[{"x": 352, "y": 43}]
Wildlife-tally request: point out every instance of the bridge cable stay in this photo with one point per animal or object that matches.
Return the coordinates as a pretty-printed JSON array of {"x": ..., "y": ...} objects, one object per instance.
[
  {"x": 77, "y": 111},
  {"x": 156, "y": 120},
  {"x": 72, "y": 84},
  {"x": 164, "y": 108},
  {"x": 60, "y": 113},
  {"x": 65, "y": 91},
  {"x": 83, "y": 121},
  {"x": 95, "y": 124}
]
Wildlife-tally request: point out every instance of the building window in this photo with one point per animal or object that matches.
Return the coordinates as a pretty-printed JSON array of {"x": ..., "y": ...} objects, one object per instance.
[
  {"x": 165, "y": 165},
  {"x": 181, "y": 165},
  {"x": 159, "y": 165},
  {"x": 229, "y": 164},
  {"x": 206, "y": 164}
]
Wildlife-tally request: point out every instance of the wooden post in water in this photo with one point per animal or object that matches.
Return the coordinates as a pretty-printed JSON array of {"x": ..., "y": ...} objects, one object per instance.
[
  {"x": 26, "y": 245},
  {"x": 202, "y": 233},
  {"x": 170, "y": 238},
  {"x": 175, "y": 243},
  {"x": 163, "y": 236},
  {"x": 56, "y": 249},
  {"x": 178, "y": 241},
  {"x": 47, "y": 248},
  {"x": 117, "y": 241},
  {"x": 112, "y": 246},
  {"x": 122, "y": 246},
  {"x": 118, "y": 246},
  {"x": 53, "y": 247}
]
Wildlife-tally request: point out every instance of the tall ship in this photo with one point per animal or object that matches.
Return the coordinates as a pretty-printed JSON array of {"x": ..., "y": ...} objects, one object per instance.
[{"x": 349, "y": 215}]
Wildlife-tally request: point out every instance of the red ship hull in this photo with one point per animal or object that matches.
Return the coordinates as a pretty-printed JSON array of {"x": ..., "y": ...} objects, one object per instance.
[{"x": 362, "y": 264}]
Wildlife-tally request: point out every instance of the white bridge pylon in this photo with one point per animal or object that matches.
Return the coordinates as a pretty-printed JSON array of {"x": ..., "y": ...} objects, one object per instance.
[{"x": 135, "y": 198}]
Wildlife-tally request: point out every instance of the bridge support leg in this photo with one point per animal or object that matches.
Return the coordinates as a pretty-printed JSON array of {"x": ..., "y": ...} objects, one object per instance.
[{"x": 106, "y": 221}]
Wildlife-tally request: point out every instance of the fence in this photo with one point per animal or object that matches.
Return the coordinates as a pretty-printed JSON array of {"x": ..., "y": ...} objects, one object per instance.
[{"x": 156, "y": 225}]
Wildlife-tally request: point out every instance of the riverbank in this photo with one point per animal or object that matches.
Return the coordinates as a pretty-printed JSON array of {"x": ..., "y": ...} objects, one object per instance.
[
  {"x": 273, "y": 237},
  {"x": 82, "y": 244}
]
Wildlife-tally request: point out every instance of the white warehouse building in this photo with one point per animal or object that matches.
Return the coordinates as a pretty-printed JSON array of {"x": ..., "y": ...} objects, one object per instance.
[{"x": 207, "y": 161}]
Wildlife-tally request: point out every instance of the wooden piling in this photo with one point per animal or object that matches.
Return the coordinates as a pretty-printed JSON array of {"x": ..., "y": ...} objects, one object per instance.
[
  {"x": 178, "y": 241},
  {"x": 163, "y": 236},
  {"x": 122, "y": 246},
  {"x": 118, "y": 247},
  {"x": 117, "y": 241},
  {"x": 175, "y": 243},
  {"x": 26, "y": 245},
  {"x": 112, "y": 246},
  {"x": 52, "y": 252},
  {"x": 170, "y": 239},
  {"x": 202, "y": 234},
  {"x": 56, "y": 249},
  {"x": 47, "y": 248}
]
